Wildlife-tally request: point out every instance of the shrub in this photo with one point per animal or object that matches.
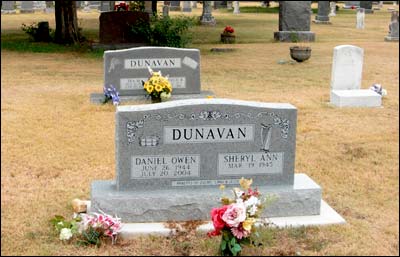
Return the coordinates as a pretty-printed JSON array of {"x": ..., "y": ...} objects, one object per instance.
[{"x": 166, "y": 31}]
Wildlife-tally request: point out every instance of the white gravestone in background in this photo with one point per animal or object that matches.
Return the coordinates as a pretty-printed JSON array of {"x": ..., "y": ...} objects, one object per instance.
[
  {"x": 360, "y": 18},
  {"x": 346, "y": 79},
  {"x": 333, "y": 9},
  {"x": 236, "y": 8}
]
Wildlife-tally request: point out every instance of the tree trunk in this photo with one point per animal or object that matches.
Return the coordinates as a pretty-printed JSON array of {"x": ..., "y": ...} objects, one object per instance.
[
  {"x": 66, "y": 22},
  {"x": 154, "y": 7}
]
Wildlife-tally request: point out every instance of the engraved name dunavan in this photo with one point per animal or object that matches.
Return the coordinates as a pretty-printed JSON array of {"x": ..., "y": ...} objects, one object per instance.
[
  {"x": 153, "y": 63},
  {"x": 208, "y": 134}
]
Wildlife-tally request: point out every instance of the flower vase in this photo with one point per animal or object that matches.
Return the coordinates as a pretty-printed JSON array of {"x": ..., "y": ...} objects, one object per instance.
[
  {"x": 155, "y": 99},
  {"x": 228, "y": 39}
]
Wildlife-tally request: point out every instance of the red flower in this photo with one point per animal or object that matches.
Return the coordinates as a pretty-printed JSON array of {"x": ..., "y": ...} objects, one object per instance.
[
  {"x": 229, "y": 29},
  {"x": 216, "y": 217}
]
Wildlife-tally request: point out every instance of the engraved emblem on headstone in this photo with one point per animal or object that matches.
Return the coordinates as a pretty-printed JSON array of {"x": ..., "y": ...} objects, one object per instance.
[{"x": 266, "y": 131}]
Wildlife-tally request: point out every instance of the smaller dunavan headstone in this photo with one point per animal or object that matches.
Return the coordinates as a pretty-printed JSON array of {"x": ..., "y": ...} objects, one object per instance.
[
  {"x": 360, "y": 18},
  {"x": 393, "y": 27},
  {"x": 27, "y": 7},
  {"x": 172, "y": 157},
  {"x": 323, "y": 13},
  {"x": 8, "y": 7},
  {"x": 346, "y": 79},
  {"x": 126, "y": 69}
]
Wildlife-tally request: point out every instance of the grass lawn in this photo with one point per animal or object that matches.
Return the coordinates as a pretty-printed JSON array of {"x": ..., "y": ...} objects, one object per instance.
[{"x": 54, "y": 142}]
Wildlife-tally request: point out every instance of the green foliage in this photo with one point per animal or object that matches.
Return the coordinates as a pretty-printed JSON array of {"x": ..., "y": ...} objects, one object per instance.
[
  {"x": 137, "y": 6},
  {"x": 59, "y": 223},
  {"x": 166, "y": 31},
  {"x": 35, "y": 33},
  {"x": 90, "y": 237}
]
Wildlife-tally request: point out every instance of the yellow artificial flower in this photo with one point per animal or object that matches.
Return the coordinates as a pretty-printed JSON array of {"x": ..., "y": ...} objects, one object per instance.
[
  {"x": 158, "y": 88},
  {"x": 149, "y": 89},
  {"x": 245, "y": 183},
  {"x": 247, "y": 224},
  {"x": 222, "y": 187},
  {"x": 210, "y": 96}
]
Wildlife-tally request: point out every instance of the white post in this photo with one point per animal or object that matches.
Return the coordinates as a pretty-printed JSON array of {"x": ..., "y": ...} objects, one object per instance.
[
  {"x": 360, "y": 18},
  {"x": 333, "y": 9},
  {"x": 236, "y": 9}
]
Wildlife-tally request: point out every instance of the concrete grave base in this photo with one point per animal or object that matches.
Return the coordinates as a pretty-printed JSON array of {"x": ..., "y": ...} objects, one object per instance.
[
  {"x": 97, "y": 98},
  {"x": 391, "y": 39},
  {"x": 188, "y": 203},
  {"x": 322, "y": 22},
  {"x": 327, "y": 216},
  {"x": 301, "y": 36},
  {"x": 355, "y": 98}
]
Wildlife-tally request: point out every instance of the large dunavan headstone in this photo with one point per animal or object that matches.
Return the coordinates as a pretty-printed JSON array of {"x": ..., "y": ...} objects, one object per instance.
[
  {"x": 126, "y": 69},
  {"x": 294, "y": 21},
  {"x": 346, "y": 79},
  {"x": 393, "y": 27},
  {"x": 171, "y": 158}
]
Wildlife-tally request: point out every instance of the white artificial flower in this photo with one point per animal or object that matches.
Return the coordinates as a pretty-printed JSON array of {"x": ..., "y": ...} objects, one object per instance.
[
  {"x": 251, "y": 204},
  {"x": 65, "y": 234}
]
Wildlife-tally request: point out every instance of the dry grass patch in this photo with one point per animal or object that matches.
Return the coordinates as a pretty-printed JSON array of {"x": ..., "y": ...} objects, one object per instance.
[{"x": 54, "y": 142}]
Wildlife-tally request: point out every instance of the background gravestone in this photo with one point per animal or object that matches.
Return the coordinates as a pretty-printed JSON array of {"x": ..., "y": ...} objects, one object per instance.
[
  {"x": 323, "y": 13},
  {"x": 346, "y": 79},
  {"x": 175, "y": 6},
  {"x": 367, "y": 5},
  {"x": 8, "y": 7},
  {"x": 186, "y": 6},
  {"x": 294, "y": 21},
  {"x": 360, "y": 16},
  {"x": 393, "y": 27},
  {"x": 171, "y": 158},
  {"x": 115, "y": 27},
  {"x": 351, "y": 4},
  {"x": 206, "y": 17},
  {"x": 27, "y": 7}
]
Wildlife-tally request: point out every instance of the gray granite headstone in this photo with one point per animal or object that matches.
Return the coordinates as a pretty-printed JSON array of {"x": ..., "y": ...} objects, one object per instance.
[
  {"x": 294, "y": 21},
  {"x": 393, "y": 27},
  {"x": 175, "y": 6},
  {"x": 8, "y": 7},
  {"x": 367, "y": 5},
  {"x": 323, "y": 13},
  {"x": 171, "y": 158},
  {"x": 27, "y": 7},
  {"x": 126, "y": 69},
  {"x": 206, "y": 17},
  {"x": 105, "y": 6},
  {"x": 165, "y": 10}
]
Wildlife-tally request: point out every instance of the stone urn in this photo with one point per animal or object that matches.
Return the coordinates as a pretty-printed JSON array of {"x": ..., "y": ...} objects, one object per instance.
[
  {"x": 300, "y": 53},
  {"x": 228, "y": 38}
]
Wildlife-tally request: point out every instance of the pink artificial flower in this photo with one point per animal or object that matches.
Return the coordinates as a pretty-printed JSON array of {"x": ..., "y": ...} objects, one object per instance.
[
  {"x": 239, "y": 232},
  {"x": 235, "y": 214}
]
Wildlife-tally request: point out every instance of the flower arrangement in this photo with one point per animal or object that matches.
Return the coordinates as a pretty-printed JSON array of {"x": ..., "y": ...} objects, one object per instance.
[
  {"x": 111, "y": 94},
  {"x": 228, "y": 30},
  {"x": 157, "y": 87},
  {"x": 88, "y": 229},
  {"x": 235, "y": 220}
]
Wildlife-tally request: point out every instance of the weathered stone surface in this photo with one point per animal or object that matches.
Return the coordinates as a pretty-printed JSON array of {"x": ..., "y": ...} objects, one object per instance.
[
  {"x": 355, "y": 98},
  {"x": 323, "y": 12},
  {"x": 393, "y": 27},
  {"x": 206, "y": 17},
  {"x": 300, "y": 199},
  {"x": 294, "y": 21}
]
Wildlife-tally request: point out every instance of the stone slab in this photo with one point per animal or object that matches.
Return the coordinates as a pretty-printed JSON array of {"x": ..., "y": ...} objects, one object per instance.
[
  {"x": 391, "y": 39},
  {"x": 97, "y": 98},
  {"x": 126, "y": 69},
  {"x": 355, "y": 98},
  {"x": 302, "y": 36},
  {"x": 184, "y": 204},
  {"x": 327, "y": 216}
]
